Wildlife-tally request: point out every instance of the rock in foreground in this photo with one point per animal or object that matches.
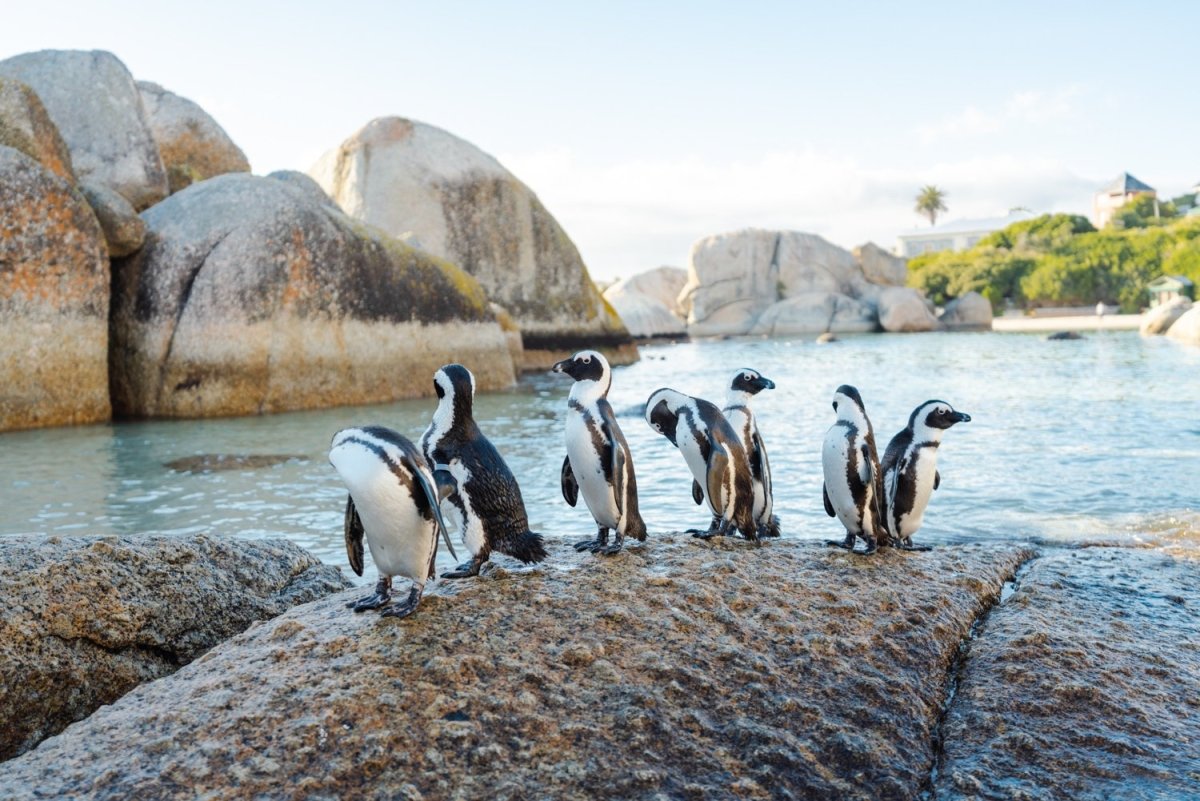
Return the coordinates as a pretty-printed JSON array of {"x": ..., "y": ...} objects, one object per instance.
[
  {"x": 1082, "y": 685},
  {"x": 680, "y": 669},
  {"x": 87, "y": 619},
  {"x": 1186, "y": 327}
]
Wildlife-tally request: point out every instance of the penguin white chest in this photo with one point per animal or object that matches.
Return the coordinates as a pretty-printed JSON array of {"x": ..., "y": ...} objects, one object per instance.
[
  {"x": 919, "y": 470},
  {"x": 840, "y": 462},
  {"x": 468, "y": 523},
  {"x": 689, "y": 446},
  {"x": 583, "y": 434}
]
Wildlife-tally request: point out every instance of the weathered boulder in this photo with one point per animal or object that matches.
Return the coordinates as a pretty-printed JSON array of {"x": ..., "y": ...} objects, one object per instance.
[
  {"x": 904, "y": 309},
  {"x": 123, "y": 229},
  {"x": 968, "y": 312},
  {"x": 54, "y": 283},
  {"x": 680, "y": 669},
  {"x": 405, "y": 176},
  {"x": 25, "y": 126},
  {"x": 1082, "y": 685},
  {"x": 86, "y": 619},
  {"x": 94, "y": 103},
  {"x": 816, "y": 313},
  {"x": 192, "y": 145},
  {"x": 1187, "y": 327},
  {"x": 1160, "y": 319},
  {"x": 642, "y": 302},
  {"x": 250, "y": 296},
  {"x": 662, "y": 284},
  {"x": 305, "y": 183},
  {"x": 881, "y": 267}
]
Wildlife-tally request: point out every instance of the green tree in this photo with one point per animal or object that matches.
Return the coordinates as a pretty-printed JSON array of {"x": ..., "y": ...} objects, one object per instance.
[
  {"x": 1144, "y": 211},
  {"x": 931, "y": 201}
]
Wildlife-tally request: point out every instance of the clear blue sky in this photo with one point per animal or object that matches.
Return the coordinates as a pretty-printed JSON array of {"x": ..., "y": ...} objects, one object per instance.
[{"x": 645, "y": 126}]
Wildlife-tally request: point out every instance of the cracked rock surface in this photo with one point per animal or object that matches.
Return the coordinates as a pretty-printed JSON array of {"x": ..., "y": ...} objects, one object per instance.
[
  {"x": 679, "y": 669},
  {"x": 86, "y": 619}
]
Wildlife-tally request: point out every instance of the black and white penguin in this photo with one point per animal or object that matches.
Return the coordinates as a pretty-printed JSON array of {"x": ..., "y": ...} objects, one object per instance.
[
  {"x": 714, "y": 455},
  {"x": 745, "y": 385},
  {"x": 485, "y": 502},
  {"x": 910, "y": 472},
  {"x": 852, "y": 490},
  {"x": 598, "y": 463},
  {"x": 393, "y": 503}
]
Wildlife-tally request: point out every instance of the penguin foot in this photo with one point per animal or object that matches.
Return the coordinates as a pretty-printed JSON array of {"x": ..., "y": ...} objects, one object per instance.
[
  {"x": 908, "y": 546},
  {"x": 465, "y": 570},
  {"x": 587, "y": 545},
  {"x": 839, "y": 544},
  {"x": 383, "y": 594},
  {"x": 406, "y": 608},
  {"x": 609, "y": 550},
  {"x": 703, "y": 535},
  {"x": 870, "y": 549}
]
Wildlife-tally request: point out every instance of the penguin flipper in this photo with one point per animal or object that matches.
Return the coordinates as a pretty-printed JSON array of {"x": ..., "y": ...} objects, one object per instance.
[
  {"x": 353, "y": 530},
  {"x": 937, "y": 479},
  {"x": 432, "y": 497},
  {"x": 570, "y": 487},
  {"x": 718, "y": 469},
  {"x": 697, "y": 492},
  {"x": 608, "y": 426},
  {"x": 866, "y": 467},
  {"x": 760, "y": 457},
  {"x": 828, "y": 505}
]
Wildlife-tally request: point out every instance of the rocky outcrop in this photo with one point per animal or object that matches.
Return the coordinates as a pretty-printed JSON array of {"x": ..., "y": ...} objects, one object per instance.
[
  {"x": 904, "y": 310},
  {"x": 1082, "y": 685},
  {"x": 86, "y": 619},
  {"x": 1187, "y": 327},
  {"x": 54, "y": 283},
  {"x": 647, "y": 302},
  {"x": 304, "y": 182},
  {"x": 25, "y": 126},
  {"x": 192, "y": 145},
  {"x": 249, "y": 296},
  {"x": 680, "y": 669},
  {"x": 407, "y": 177},
  {"x": 969, "y": 312},
  {"x": 788, "y": 282},
  {"x": 881, "y": 267},
  {"x": 1160, "y": 319},
  {"x": 123, "y": 229},
  {"x": 94, "y": 103}
]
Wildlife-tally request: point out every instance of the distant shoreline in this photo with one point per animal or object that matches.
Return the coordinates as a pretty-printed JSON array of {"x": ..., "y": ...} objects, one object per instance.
[{"x": 1109, "y": 322}]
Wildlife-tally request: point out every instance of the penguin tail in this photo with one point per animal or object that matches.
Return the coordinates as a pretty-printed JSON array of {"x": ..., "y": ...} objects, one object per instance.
[
  {"x": 527, "y": 547},
  {"x": 636, "y": 529},
  {"x": 771, "y": 529}
]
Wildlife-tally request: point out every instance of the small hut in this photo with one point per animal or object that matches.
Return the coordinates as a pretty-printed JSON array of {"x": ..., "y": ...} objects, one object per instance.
[{"x": 1167, "y": 288}]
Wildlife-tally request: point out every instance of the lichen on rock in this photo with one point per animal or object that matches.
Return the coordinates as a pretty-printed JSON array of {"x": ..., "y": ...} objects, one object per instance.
[{"x": 192, "y": 145}]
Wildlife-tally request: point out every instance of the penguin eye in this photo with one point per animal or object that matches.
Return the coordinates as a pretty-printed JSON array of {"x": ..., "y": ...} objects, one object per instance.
[
  {"x": 748, "y": 376},
  {"x": 587, "y": 359}
]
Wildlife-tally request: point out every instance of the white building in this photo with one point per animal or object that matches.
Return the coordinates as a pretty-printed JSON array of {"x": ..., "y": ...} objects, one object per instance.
[
  {"x": 1112, "y": 197},
  {"x": 955, "y": 235}
]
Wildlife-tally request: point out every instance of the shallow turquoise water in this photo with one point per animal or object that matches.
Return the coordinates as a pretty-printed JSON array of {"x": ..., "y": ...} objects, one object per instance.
[{"x": 1097, "y": 439}]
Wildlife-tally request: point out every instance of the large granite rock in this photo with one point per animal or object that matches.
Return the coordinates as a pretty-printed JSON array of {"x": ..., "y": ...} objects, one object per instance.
[
  {"x": 816, "y": 313},
  {"x": 969, "y": 312},
  {"x": 25, "y": 126},
  {"x": 192, "y": 145},
  {"x": 1160, "y": 319},
  {"x": 305, "y": 183},
  {"x": 250, "y": 296},
  {"x": 407, "y": 177},
  {"x": 93, "y": 101},
  {"x": 662, "y": 284},
  {"x": 86, "y": 619},
  {"x": 54, "y": 284},
  {"x": 1082, "y": 685},
  {"x": 124, "y": 231},
  {"x": 647, "y": 302},
  {"x": 676, "y": 670},
  {"x": 881, "y": 267},
  {"x": 1187, "y": 327},
  {"x": 902, "y": 310}
]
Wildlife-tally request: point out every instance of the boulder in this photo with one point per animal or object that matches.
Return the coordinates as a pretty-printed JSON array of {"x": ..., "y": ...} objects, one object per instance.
[
  {"x": 25, "y": 126},
  {"x": 86, "y": 619},
  {"x": 123, "y": 229},
  {"x": 405, "y": 176},
  {"x": 1187, "y": 327},
  {"x": 304, "y": 182},
  {"x": 54, "y": 285},
  {"x": 1160, "y": 319},
  {"x": 662, "y": 284},
  {"x": 881, "y": 267},
  {"x": 192, "y": 145},
  {"x": 250, "y": 296},
  {"x": 1082, "y": 684},
  {"x": 904, "y": 309},
  {"x": 646, "y": 302},
  {"x": 969, "y": 312},
  {"x": 816, "y": 313},
  {"x": 681, "y": 669},
  {"x": 94, "y": 103}
]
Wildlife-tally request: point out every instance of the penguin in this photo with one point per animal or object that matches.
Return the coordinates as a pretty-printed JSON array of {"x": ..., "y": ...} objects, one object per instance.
[
  {"x": 852, "y": 489},
  {"x": 598, "y": 462},
  {"x": 910, "y": 472},
  {"x": 715, "y": 456},
  {"x": 485, "y": 501},
  {"x": 394, "y": 503},
  {"x": 745, "y": 385}
]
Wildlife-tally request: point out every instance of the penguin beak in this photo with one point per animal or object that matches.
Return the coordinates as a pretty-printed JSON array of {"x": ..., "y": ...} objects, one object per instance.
[
  {"x": 561, "y": 367},
  {"x": 765, "y": 383},
  {"x": 962, "y": 417}
]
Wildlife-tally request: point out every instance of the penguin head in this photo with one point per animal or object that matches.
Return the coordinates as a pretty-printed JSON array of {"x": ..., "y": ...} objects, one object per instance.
[
  {"x": 750, "y": 382},
  {"x": 935, "y": 416},
  {"x": 455, "y": 388},
  {"x": 662, "y": 413},
  {"x": 587, "y": 365},
  {"x": 848, "y": 404}
]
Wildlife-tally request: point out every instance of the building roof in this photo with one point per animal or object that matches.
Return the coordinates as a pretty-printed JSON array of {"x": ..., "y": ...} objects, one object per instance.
[
  {"x": 1126, "y": 183},
  {"x": 981, "y": 225},
  {"x": 1169, "y": 282}
]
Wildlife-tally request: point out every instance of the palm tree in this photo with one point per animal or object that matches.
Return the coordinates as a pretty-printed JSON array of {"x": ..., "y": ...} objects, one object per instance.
[{"x": 930, "y": 201}]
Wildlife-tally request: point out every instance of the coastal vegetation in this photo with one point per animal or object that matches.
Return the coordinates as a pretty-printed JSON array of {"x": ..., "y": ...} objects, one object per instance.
[
  {"x": 931, "y": 201},
  {"x": 1062, "y": 260}
]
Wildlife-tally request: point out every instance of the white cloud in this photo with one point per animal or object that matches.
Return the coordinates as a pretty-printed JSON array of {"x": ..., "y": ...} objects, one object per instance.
[{"x": 1020, "y": 110}]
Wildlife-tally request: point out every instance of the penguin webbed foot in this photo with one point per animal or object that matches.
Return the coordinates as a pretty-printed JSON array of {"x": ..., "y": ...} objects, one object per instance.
[
  {"x": 465, "y": 570},
  {"x": 406, "y": 608},
  {"x": 597, "y": 545},
  {"x": 585, "y": 545},
  {"x": 382, "y": 594},
  {"x": 907, "y": 545},
  {"x": 616, "y": 546}
]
